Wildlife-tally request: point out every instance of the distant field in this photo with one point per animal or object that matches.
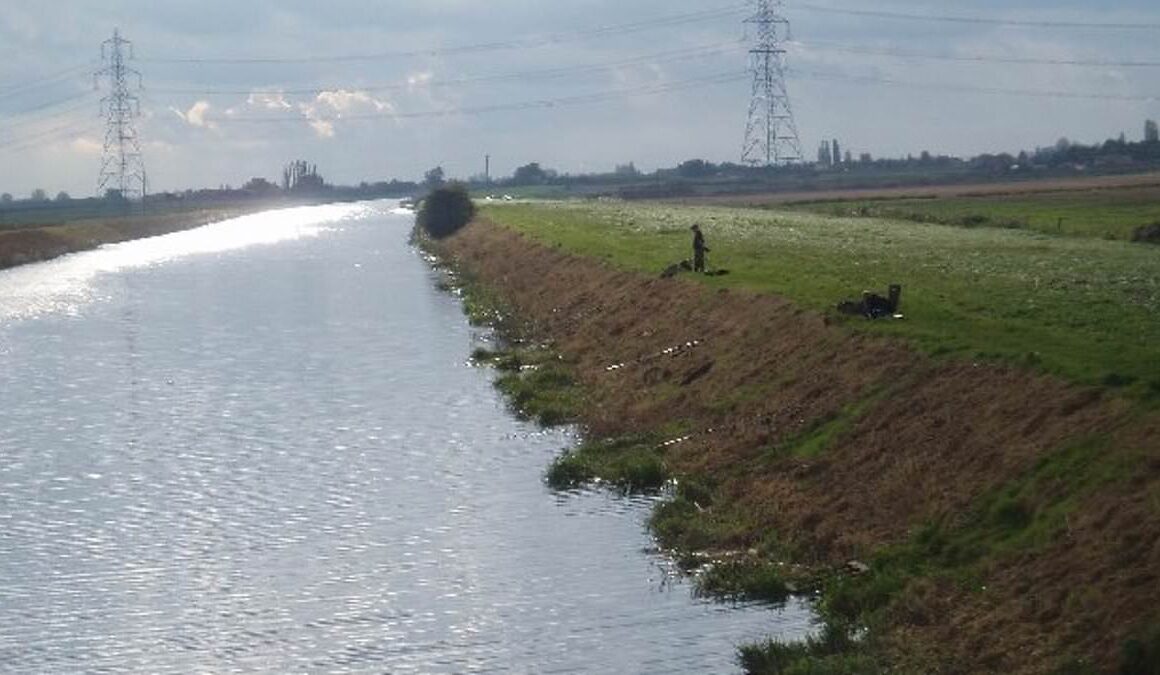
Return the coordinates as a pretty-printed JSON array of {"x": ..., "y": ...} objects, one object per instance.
[
  {"x": 1080, "y": 307},
  {"x": 1112, "y": 214},
  {"x": 1110, "y": 207}
]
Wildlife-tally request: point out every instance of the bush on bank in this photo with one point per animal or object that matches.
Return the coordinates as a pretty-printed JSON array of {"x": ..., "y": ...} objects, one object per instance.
[{"x": 445, "y": 211}]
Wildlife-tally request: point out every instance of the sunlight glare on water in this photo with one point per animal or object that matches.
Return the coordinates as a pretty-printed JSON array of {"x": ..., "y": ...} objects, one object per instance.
[{"x": 65, "y": 284}]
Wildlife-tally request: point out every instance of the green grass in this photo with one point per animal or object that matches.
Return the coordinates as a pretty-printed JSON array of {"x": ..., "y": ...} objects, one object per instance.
[
  {"x": 633, "y": 464},
  {"x": 1081, "y": 308},
  {"x": 1112, "y": 214},
  {"x": 833, "y": 652}
]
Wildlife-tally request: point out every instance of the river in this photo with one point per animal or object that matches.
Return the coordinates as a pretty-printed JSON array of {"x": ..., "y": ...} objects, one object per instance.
[{"x": 258, "y": 446}]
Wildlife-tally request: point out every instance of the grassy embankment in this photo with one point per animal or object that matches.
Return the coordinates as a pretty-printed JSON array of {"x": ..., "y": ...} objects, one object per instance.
[
  {"x": 1076, "y": 309},
  {"x": 1085, "y": 310}
]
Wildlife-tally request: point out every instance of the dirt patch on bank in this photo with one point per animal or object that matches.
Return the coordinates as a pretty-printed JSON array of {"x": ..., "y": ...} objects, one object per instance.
[{"x": 904, "y": 440}]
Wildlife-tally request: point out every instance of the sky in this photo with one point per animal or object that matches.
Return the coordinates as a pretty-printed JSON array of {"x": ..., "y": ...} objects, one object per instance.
[{"x": 370, "y": 91}]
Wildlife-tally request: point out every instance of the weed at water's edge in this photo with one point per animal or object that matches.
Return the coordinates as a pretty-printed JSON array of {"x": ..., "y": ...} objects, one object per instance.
[{"x": 633, "y": 464}]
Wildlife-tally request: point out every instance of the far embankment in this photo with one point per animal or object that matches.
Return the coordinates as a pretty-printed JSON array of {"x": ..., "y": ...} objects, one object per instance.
[
  {"x": 993, "y": 457},
  {"x": 33, "y": 235}
]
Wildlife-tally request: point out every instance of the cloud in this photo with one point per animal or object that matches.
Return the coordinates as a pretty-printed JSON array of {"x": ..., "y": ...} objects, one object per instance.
[
  {"x": 419, "y": 80},
  {"x": 86, "y": 146},
  {"x": 342, "y": 101},
  {"x": 268, "y": 100},
  {"x": 196, "y": 116},
  {"x": 328, "y": 107}
]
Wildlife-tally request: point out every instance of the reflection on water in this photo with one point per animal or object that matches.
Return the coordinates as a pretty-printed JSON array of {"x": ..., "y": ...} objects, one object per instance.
[
  {"x": 274, "y": 459},
  {"x": 64, "y": 284}
]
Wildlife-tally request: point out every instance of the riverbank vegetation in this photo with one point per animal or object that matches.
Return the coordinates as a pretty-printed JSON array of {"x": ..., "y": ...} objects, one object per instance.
[{"x": 961, "y": 507}]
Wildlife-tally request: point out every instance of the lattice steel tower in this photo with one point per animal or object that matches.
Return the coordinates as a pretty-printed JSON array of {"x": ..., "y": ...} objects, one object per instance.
[
  {"x": 771, "y": 137},
  {"x": 122, "y": 167}
]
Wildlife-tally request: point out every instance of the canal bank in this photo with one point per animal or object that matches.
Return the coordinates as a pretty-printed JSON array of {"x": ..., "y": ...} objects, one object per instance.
[{"x": 957, "y": 516}]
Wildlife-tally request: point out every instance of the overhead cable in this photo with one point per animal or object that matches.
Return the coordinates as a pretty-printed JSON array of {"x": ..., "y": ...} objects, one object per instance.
[
  {"x": 597, "y": 97},
  {"x": 503, "y": 45},
  {"x": 987, "y": 21},
  {"x": 548, "y": 73},
  {"x": 977, "y": 58}
]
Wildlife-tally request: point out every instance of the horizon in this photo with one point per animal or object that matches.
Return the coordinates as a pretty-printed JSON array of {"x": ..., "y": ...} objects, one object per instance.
[{"x": 381, "y": 96}]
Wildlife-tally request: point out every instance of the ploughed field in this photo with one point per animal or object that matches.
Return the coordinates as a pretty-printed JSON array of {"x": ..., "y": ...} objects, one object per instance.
[{"x": 1083, "y": 308}]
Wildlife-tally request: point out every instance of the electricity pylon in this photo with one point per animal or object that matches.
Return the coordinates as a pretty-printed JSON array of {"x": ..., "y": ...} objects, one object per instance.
[
  {"x": 771, "y": 136},
  {"x": 122, "y": 166}
]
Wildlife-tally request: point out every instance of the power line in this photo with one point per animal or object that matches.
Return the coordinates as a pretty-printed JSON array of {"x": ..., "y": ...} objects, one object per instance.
[
  {"x": 1036, "y": 93},
  {"x": 20, "y": 88},
  {"x": 37, "y": 139},
  {"x": 50, "y": 104},
  {"x": 549, "y": 73},
  {"x": 565, "y": 101},
  {"x": 972, "y": 58},
  {"x": 40, "y": 119},
  {"x": 878, "y": 14},
  {"x": 526, "y": 43}
]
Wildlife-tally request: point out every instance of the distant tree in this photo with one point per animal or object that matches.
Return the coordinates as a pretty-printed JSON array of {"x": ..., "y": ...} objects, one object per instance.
[
  {"x": 1062, "y": 145},
  {"x": 865, "y": 158},
  {"x": 925, "y": 157},
  {"x": 530, "y": 174},
  {"x": 39, "y": 195},
  {"x": 445, "y": 210},
  {"x": 825, "y": 157},
  {"x": 1151, "y": 132},
  {"x": 259, "y": 186},
  {"x": 434, "y": 178},
  {"x": 6, "y": 198},
  {"x": 62, "y": 196},
  {"x": 626, "y": 170},
  {"x": 837, "y": 150},
  {"x": 695, "y": 168},
  {"x": 114, "y": 195}
]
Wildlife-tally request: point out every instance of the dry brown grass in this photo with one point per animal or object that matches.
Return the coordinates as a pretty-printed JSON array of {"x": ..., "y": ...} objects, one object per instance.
[{"x": 932, "y": 436}]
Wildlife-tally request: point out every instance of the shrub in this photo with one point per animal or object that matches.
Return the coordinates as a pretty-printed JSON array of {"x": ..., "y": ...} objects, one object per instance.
[{"x": 445, "y": 211}]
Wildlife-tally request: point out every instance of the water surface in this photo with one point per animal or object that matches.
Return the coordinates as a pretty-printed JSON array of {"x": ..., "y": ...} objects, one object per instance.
[{"x": 258, "y": 447}]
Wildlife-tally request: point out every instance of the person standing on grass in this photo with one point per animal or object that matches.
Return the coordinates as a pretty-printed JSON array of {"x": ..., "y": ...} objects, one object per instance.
[{"x": 699, "y": 249}]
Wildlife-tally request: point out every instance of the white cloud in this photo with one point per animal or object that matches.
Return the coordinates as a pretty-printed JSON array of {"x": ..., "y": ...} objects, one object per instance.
[
  {"x": 197, "y": 115},
  {"x": 268, "y": 100},
  {"x": 342, "y": 101},
  {"x": 324, "y": 128},
  {"x": 328, "y": 107},
  {"x": 86, "y": 146},
  {"x": 419, "y": 80}
]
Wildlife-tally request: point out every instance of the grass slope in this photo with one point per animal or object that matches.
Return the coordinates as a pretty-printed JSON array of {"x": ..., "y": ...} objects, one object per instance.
[{"x": 1081, "y": 308}]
